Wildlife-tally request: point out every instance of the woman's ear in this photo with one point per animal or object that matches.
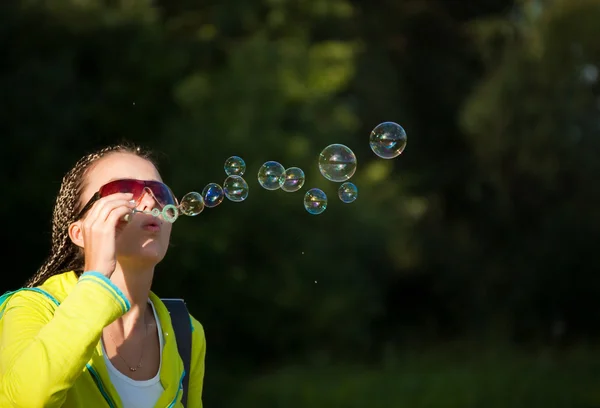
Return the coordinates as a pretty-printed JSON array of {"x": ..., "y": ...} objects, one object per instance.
[{"x": 76, "y": 234}]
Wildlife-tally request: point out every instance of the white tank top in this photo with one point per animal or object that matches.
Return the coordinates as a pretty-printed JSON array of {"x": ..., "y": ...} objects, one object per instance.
[{"x": 137, "y": 394}]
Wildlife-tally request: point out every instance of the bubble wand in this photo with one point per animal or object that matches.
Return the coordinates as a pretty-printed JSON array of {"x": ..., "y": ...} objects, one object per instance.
[{"x": 191, "y": 205}]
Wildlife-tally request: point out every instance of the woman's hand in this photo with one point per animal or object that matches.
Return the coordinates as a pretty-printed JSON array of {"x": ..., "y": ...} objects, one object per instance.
[{"x": 99, "y": 229}]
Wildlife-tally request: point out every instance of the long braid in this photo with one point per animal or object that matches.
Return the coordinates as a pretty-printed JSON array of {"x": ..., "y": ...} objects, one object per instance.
[{"x": 65, "y": 255}]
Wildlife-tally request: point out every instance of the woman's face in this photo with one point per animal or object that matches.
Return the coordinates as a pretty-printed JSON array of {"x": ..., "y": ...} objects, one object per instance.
[{"x": 138, "y": 244}]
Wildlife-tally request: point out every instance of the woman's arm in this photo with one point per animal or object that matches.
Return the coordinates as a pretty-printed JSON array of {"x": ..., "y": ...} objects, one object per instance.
[{"x": 43, "y": 352}]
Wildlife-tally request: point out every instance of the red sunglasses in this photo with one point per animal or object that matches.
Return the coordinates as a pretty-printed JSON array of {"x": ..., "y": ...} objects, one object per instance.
[{"x": 159, "y": 191}]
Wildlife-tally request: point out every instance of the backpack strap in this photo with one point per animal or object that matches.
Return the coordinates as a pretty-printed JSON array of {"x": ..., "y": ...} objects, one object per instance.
[{"x": 180, "y": 319}]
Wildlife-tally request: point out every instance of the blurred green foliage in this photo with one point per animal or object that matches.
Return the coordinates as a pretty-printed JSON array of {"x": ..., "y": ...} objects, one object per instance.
[
  {"x": 485, "y": 228},
  {"x": 439, "y": 379}
]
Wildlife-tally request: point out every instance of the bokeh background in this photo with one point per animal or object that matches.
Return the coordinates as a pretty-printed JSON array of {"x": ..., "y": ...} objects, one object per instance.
[{"x": 465, "y": 275}]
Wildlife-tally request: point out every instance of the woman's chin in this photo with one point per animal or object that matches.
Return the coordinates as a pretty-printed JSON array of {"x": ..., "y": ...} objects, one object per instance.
[{"x": 149, "y": 255}]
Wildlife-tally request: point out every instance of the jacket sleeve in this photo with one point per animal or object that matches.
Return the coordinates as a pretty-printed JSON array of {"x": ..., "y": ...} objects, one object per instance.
[
  {"x": 197, "y": 366},
  {"x": 43, "y": 352}
]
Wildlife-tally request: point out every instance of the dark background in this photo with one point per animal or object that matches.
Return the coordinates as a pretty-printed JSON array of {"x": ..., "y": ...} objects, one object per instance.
[{"x": 466, "y": 273}]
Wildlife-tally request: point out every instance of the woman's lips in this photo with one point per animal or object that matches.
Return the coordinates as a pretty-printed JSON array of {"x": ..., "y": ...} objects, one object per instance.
[{"x": 151, "y": 226}]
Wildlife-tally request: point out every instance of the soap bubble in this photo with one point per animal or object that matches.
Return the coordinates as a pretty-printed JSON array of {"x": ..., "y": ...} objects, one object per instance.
[
  {"x": 348, "y": 192},
  {"x": 292, "y": 179},
  {"x": 212, "y": 195},
  {"x": 269, "y": 175},
  {"x": 192, "y": 204},
  {"x": 235, "y": 166},
  {"x": 337, "y": 163},
  {"x": 315, "y": 201},
  {"x": 388, "y": 140},
  {"x": 235, "y": 188},
  {"x": 170, "y": 213}
]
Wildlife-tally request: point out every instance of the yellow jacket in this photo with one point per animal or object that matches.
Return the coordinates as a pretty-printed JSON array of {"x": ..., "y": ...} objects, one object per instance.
[{"x": 50, "y": 350}]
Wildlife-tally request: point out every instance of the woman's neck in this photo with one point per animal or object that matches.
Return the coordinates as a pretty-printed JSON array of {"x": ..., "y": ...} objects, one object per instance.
[{"x": 135, "y": 285}]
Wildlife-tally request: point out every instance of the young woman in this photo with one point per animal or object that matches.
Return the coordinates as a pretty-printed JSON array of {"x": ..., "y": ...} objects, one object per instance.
[{"x": 88, "y": 332}]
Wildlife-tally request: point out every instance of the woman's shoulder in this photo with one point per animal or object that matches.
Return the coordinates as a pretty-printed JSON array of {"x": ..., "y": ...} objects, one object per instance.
[
  {"x": 27, "y": 303},
  {"x": 47, "y": 296},
  {"x": 166, "y": 307},
  {"x": 197, "y": 328},
  {"x": 28, "y": 296}
]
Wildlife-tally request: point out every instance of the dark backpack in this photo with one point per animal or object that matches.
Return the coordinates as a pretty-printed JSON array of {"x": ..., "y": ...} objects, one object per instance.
[{"x": 182, "y": 325}]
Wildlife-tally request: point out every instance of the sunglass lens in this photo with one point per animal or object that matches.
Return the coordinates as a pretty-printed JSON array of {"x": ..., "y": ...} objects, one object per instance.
[
  {"x": 123, "y": 186},
  {"x": 162, "y": 193}
]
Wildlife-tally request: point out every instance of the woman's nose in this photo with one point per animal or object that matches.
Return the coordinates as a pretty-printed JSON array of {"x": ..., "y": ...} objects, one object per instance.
[{"x": 147, "y": 201}]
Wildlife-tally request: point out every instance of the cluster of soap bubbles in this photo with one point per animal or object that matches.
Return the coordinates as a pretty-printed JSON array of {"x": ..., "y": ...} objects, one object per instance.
[
  {"x": 337, "y": 163},
  {"x": 273, "y": 176},
  {"x": 234, "y": 188}
]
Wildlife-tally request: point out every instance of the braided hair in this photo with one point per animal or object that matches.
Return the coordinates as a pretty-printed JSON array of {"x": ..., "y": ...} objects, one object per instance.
[{"x": 65, "y": 255}]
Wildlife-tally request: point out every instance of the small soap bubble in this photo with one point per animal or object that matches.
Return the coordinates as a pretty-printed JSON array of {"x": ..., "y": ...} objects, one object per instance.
[
  {"x": 235, "y": 188},
  {"x": 292, "y": 179},
  {"x": 315, "y": 201},
  {"x": 269, "y": 175},
  {"x": 388, "y": 140},
  {"x": 192, "y": 204},
  {"x": 212, "y": 195},
  {"x": 170, "y": 213},
  {"x": 337, "y": 163},
  {"x": 235, "y": 166},
  {"x": 348, "y": 192}
]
